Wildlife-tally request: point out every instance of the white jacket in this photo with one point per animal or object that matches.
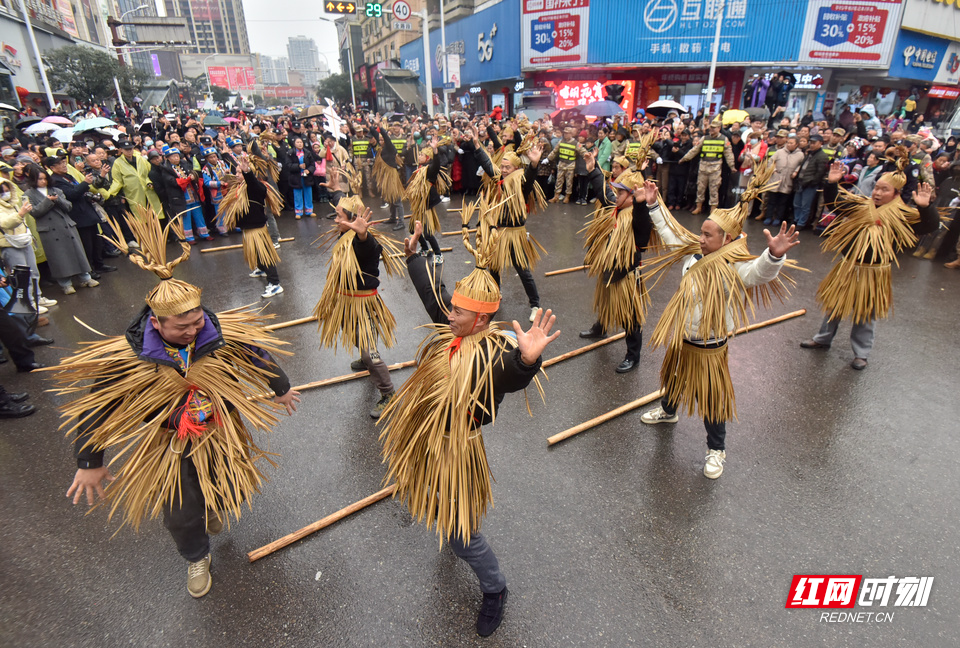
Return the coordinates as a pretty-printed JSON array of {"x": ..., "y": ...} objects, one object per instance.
[{"x": 761, "y": 270}]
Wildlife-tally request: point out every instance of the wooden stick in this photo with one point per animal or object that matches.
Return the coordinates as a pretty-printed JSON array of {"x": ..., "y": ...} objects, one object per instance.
[
  {"x": 458, "y": 232},
  {"x": 266, "y": 550},
  {"x": 352, "y": 376},
  {"x": 565, "y": 270},
  {"x": 623, "y": 409},
  {"x": 603, "y": 418},
  {"x": 238, "y": 246},
  {"x": 400, "y": 254},
  {"x": 294, "y": 322},
  {"x": 576, "y": 352}
]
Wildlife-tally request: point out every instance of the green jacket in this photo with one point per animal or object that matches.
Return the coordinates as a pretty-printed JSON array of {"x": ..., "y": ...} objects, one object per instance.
[
  {"x": 605, "y": 154},
  {"x": 134, "y": 178}
]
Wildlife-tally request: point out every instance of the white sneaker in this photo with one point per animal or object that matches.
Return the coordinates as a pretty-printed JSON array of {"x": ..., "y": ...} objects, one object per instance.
[
  {"x": 437, "y": 259},
  {"x": 90, "y": 283},
  {"x": 133, "y": 245},
  {"x": 272, "y": 289},
  {"x": 257, "y": 273},
  {"x": 713, "y": 467},
  {"x": 533, "y": 313},
  {"x": 658, "y": 415},
  {"x": 42, "y": 310},
  {"x": 445, "y": 199},
  {"x": 277, "y": 245},
  {"x": 47, "y": 302},
  {"x": 384, "y": 206}
]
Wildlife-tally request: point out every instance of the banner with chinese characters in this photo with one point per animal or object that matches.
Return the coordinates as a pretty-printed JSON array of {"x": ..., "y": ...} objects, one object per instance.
[
  {"x": 683, "y": 31},
  {"x": 857, "y": 34},
  {"x": 554, "y": 33},
  {"x": 571, "y": 94}
]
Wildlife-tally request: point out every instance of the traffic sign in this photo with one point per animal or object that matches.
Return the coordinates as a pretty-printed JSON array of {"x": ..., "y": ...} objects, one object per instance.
[
  {"x": 340, "y": 7},
  {"x": 373, "y": 9},
  {"x": 402, "y": 26},
  {"x": 401, "y": 10}
]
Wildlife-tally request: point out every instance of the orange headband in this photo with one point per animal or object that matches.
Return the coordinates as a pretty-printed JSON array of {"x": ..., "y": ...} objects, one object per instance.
[{"x": 474, "y": 305}]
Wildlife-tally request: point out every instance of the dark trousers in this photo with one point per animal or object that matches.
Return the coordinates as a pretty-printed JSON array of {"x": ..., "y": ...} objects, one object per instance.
[
  {"x": 429, "y": 242},
  {"x": 526, "y": 278},
  {"x": 92, "y": 245},
  {"x": 677, "y": 188},
  {"x": 583, "y": 188},
  {"x": 716, "y": 432},
  {"x": 12, "y": 336},
  {"x": 634, "y": 339},
  {"x": 186, "y": 517},
  {"x": 777, "y": 204},
  {"x": 482, "y": 561},
  {"x": 271, "y": 271}
]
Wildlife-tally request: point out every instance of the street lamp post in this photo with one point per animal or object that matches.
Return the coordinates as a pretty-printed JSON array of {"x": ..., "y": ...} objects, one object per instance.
[
  {"x": 713, "y": 59},
  {"x": 428, "y": 73},
  {"x": 346, "y": 25},
  {"x": 206, "y": 74}
]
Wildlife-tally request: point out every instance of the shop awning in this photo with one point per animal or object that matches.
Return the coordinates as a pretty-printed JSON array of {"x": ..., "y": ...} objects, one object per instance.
[
  {"x": 944, "y": 92},
  {"x": 407, "y": 92}
]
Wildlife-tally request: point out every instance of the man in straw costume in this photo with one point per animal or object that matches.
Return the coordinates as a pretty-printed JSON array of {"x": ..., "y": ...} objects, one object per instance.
[
  {"x": 386, "y": 173},
  {"x": 177, "y": 397},
  {"x": 721, "y": 280},
  {"x": 432, "y": 428},
  {"x": 246, "y": 200},
  {"x": 619, "y": 230},
  {"x": 426, "y": 186},
  {"x": 510, "y": 193},
  {"x": 350, "y": 311},
  {"x": 866, "y": 236}
]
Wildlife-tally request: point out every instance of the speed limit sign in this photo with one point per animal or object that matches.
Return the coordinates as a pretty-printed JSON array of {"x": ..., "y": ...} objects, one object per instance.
[{"x": 401, "y": 10}]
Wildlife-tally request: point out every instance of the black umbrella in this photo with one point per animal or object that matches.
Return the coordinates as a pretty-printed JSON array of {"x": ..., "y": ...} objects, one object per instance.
[
  {"x": 760, "y": 112},
  {"x": 26, "y": 121}
]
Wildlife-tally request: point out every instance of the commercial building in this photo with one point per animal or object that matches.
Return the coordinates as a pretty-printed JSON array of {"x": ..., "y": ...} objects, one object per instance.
[
  {"x": 217, "y": 26},
  {"x": 304, "y": 57}
]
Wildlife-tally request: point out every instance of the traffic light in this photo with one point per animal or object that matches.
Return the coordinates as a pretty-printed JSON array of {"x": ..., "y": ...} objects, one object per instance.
[
  {"x": 340, "y": 7},
  {"x": 373, "y": 9}
]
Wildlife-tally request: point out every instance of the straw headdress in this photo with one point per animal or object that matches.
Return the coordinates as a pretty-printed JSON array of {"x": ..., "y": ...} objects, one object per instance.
[{"x": 731, "y": 220}]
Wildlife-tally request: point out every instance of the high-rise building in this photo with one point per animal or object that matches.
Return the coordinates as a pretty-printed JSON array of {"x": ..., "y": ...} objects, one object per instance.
[
  {"x": 304, "y": 57},
  {"x": 217, "y": 26},
  {"x": 273, "y": 70},
  {"x": 131, "y": 8}
]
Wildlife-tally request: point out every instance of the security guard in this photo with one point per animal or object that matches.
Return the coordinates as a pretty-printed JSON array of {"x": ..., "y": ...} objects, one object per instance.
[
  {"x": 714, "y": 149},
  {"x": 565, "y": 155},
  {"x": 362, "y": 157},
  {"x": 834, "y": 147}
]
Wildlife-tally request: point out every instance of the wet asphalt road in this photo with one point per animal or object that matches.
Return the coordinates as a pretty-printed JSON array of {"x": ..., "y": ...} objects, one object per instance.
[{"x": 612, "y": 538}]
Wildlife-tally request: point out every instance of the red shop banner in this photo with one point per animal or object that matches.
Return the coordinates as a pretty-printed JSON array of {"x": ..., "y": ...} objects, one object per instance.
[{"x": 571, "y": 94}]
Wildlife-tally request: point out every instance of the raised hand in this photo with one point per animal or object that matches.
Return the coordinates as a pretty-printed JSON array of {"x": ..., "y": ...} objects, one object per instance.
[
  {"x": 590, "y": 160},
  {"x": 923, "y": 195},
  {"x": 837, "y": 171},
  {"x": 411, "y": 243},
  {"x": 651, "y": 191},
  {"x": 533, "y": 342},
  {"x": 89, "y": 482},
  {"x": 535, "y": 153},
  {"x": 783, "y": 241}
]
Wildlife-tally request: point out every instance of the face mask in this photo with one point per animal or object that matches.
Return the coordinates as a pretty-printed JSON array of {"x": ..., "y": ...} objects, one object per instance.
[
  {"x": 754, "y": 142},
  {"x": 5, "y": 196}
]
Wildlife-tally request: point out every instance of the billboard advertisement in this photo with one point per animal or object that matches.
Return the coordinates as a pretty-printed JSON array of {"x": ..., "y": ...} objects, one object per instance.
[
  {"x": 682, "y": 32},
  {"x": 232, "y": 78},
  {"x": 284, "y": 92},
  {"x": 933, "y": 17},
  {"x": 851, "y": 34},
  {"x": 205, "y": 10},
  {"x": 571, "y": 94},
  {"x": 554, "y": 32}
]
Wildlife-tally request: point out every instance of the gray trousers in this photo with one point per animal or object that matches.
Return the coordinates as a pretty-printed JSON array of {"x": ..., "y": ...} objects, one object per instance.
[
  {"x": 379, "y": 374},
  {"x": 272, "y": 225},
  {"x": 482, "y": 561},
  {"x": 861, "y": 336},
  {"x": 396, "y": 212},
  {"x": 24, "y": 256}
]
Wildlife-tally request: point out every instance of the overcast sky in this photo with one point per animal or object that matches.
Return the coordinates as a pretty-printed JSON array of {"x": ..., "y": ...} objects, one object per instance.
[{"x": 271, "y": 22}]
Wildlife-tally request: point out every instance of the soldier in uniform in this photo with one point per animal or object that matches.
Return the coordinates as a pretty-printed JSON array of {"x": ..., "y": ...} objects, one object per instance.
[
  {"x": 362, "y": 155},
  {"x": 565, "y": 155},
  {"x": 833, "y": 146},
  {"x": 713, "y": 150}
]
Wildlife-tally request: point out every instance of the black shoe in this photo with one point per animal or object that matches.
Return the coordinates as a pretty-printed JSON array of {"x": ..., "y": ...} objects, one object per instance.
[
  {"x": 39, "y": 341},
  {"x": 491, "y": 613},
  {"x": 95, "y": 275},
  {"x": 106, "y": 268},
  {"x": 627, "y": 365},
  {"x": 30, "y": 367},
  {"x": 19, "y": 410},
  {"x": 859, "y": 364},
  {"x": 399, "y": 226},
  {"x": 112, "y": 254},
  {"x": 593, "y": 333},
  {"x": 18, "y": 398},
  {"x": 357, "y": 365}
]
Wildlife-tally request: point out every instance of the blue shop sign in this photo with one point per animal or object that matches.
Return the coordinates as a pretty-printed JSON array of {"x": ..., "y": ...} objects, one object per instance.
[
  {"x": 917, "y": 56},
  {"x": 682, "y": 31},
  {"x": 487, "y": 42}
]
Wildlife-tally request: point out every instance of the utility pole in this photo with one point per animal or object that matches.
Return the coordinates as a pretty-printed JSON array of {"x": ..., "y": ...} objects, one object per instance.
[
  {"x": 446, "y": 68},
  {"x": 36, "y": 55},
  {"x": 713, "y": 59},
  {"x": 428, "y": 72}
]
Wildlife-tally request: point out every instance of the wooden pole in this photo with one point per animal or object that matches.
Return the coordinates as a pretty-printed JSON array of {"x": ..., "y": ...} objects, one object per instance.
[
  {"x": 238, "y": 246},
  {"x": 576, "y": 352},
  {"x": 553, "y": 273},
  {"x": 294, "y": 322},
  {"x": 266, "y": 550},
  {"x": 352, "y": 376},
  {"x": 459, "y": 232},
  {"x": 603, "y": 418},
  {"x": 623, "y": 409}
]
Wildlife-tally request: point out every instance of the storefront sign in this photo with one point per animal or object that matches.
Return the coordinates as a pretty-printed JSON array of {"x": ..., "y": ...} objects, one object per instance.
[
  {"x": 9, "y": 55},
  {"x": 683, "y": 31},
  {"x": 232, "y": 78},
  {"x": 555, "y": 32},
  {"x": 942, "y": 92},
  {"x": 571, "y": 94},
  {"x": 283, "y": 92},
  {"x": 926, "y": 58},
  {"x": 933, "y": 17},
  {"x": 850, "y": 34}
]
